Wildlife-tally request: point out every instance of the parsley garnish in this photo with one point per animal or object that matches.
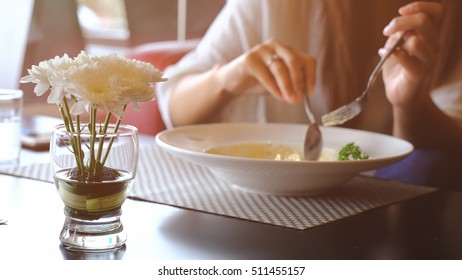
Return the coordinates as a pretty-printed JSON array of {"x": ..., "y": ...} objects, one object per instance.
[{"x": 351, "y": 151}]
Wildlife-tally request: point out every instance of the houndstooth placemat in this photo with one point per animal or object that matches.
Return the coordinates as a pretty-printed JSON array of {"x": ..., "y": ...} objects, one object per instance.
[{"x": 165, "y": 179}]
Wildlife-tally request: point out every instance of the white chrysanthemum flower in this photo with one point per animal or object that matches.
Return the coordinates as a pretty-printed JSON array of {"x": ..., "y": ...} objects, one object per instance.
[
  {"x": 107, "y": 83},
  {"x": 110, "y": 82},
  {"x": 50, "y": 73}
]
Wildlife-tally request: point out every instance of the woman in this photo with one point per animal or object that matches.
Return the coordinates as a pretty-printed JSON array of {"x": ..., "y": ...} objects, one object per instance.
[{"x": 260, "y": 57}]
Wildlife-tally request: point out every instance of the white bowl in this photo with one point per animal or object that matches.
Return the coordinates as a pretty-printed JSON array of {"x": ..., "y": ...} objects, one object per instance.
[{"x": 280, "y": 177}]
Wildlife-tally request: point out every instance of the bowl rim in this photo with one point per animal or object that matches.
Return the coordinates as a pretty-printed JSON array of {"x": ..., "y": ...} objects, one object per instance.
[{"x": 181, "y": 150}]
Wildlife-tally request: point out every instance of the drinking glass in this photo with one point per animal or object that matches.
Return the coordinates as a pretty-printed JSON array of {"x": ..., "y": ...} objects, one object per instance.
[{"x": 10, "y": 126}]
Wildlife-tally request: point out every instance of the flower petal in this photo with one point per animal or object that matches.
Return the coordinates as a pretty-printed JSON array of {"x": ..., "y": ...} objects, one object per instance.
[
  {"x": 41, "y": 88},
  {"x": 80, "y": 107}
]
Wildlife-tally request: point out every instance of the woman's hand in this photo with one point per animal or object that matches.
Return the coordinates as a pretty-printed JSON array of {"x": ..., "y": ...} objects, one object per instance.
[
  {"x": 407, "y": 67},
  {"x": 284, "y": 72}
]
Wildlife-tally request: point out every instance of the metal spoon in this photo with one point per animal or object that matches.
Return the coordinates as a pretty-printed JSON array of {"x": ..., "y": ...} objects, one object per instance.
[{"x": 313, "y": 138}]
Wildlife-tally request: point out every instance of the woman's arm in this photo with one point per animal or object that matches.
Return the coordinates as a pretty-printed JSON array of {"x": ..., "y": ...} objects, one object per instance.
[
  {"x": 196, "y": 98},
  {"x": 270, "y": 67}
]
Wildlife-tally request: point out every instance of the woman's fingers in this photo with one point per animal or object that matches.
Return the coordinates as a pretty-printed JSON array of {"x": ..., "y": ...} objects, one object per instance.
[
  {"x": 433, "y": 10},
  {"x": 412, "y": 52},
  {"x": 285, "y": 72},
  {"x": 418, "y": 49},
  {"x": 289, "y": 74},
  {"x": 421, "y": 18},
  {"x": 258, "y": 62},
  {"x": 281, "y": 74},
  {"x": 417, "y": 25}
]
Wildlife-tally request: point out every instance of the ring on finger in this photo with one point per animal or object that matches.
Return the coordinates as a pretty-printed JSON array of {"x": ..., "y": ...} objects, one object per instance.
[{"x": 272, "y": 59}]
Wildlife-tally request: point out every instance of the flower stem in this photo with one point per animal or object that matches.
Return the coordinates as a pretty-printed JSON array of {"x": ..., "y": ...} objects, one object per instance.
[
  {"x": 116, "y": 128},
  {"x": 77, "y": 129},
  {"x": 92, "y": 167},
  {"x": 102, "y": 139},
  {"x": 75, "y": 141}
]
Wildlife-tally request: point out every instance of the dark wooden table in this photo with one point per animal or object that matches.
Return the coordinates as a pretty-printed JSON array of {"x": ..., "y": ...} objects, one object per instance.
[{"x": 426, "y": 227}]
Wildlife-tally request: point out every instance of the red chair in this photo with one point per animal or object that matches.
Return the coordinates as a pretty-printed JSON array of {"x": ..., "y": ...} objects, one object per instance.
[{"x": 161, "y": 55}]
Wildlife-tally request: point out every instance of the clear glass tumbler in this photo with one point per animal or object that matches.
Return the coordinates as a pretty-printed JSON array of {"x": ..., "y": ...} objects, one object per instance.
[{"x": 93, "y": 173}]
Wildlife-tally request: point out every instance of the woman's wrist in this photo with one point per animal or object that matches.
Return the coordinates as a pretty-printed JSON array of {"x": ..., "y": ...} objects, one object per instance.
[
  {"x": 219, "y": 75},
  {"x": 197, "y": 97},
  {"x": 426, "y": 126},
  {"x": 408, "y": 118}
]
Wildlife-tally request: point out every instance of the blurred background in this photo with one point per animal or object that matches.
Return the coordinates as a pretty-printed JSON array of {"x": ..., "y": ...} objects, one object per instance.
[{"x": 36, "y": 30}]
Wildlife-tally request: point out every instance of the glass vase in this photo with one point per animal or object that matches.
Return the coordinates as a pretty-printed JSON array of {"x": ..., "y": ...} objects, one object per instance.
[{"x": 93, "y": 171}]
